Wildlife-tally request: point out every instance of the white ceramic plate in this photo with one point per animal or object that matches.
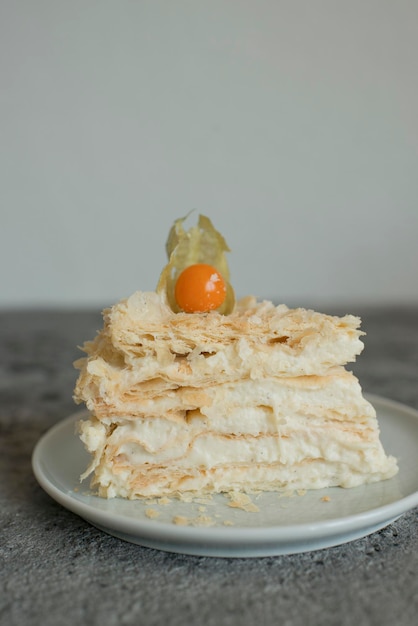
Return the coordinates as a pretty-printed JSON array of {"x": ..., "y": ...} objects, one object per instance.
[{"x": 284, "y": 524}]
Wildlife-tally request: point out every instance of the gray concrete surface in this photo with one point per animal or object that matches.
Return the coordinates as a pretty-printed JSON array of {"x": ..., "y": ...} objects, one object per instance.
[{"x": 57, "y": 569}]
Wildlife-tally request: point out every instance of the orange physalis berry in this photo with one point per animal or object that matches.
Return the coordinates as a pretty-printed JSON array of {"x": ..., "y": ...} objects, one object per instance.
[{"x": 200, "y": 288}]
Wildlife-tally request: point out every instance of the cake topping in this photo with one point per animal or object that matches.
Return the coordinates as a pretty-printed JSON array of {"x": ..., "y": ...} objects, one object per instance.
[
  {"x": 200, "y": 288},
  {"x": 201, "y": 245}
]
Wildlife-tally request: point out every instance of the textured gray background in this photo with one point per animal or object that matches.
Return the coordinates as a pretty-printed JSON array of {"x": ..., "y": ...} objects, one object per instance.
[{"x": 57, "y": 569}]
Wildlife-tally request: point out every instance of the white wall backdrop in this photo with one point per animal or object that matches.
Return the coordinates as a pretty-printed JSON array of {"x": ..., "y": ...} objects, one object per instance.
[{"x": 292, "y": 124}]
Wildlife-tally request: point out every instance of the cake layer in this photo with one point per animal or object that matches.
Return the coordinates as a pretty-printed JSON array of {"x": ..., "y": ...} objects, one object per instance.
[
  {"x": 280, "y": 424},
  {"x": 338, "y": 393},
  {"x": 144, "y": 325},
  {"x": 132, "y": 444},
  {"x": 300, "y": 458},
  {"x": 145, "y": 349}
]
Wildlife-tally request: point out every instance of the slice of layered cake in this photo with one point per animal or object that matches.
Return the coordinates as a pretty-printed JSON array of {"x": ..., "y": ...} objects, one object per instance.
[{"x": 246, "y": 396}]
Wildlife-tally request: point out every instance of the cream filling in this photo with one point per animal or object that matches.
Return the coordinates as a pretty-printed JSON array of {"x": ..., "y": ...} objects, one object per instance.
[
  {"x": 331, "y": 396},
  {"x": 151, "y": 457},
  {"x": 209, "y": 450},
  {"x": 264, "y": 422},
  {"x": 131, "y": 482},
  {"x": 157, "y": 442}
]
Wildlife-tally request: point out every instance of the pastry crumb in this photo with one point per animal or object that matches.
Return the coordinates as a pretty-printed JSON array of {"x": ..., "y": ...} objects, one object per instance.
[
  {"x": 201, "y": 509},
  {"x": 185, "y": 497},
  {"x": 228, "y": 522},
  {"x": 301, "y": 492},
  {"x": 242, "y": 501},
  {"x": 151, "y": 513},
  {"x": 287, "y": 494},
  {"x": 325, "y": 499},
  {"x": 164, "y": 500},
  {"x": 180, "y": 520}
]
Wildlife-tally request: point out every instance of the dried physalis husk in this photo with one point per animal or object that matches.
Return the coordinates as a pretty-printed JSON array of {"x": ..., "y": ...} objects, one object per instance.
[{"x": 200, "y": 244}]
